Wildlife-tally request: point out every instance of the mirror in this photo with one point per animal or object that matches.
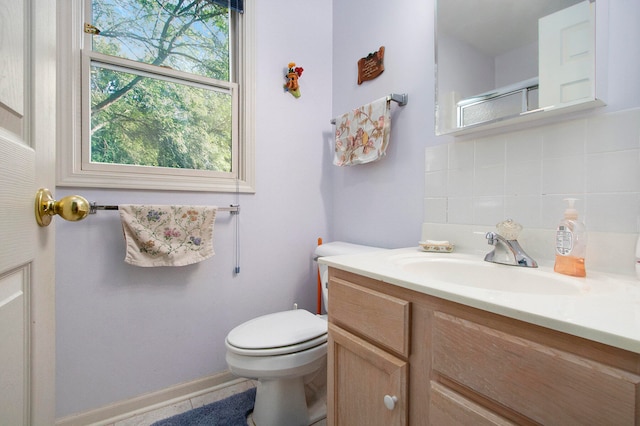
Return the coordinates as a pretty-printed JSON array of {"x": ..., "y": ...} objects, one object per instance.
[{"x": 505, "y": 61}]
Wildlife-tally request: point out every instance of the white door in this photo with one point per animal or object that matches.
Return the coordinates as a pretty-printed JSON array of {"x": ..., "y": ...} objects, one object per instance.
[
  {"x": 566, "y": 59},
  {"x": 27, "y": 275}
]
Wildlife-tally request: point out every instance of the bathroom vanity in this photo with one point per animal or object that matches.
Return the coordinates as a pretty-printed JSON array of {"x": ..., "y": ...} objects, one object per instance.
[{"x": 405, "y": 349}]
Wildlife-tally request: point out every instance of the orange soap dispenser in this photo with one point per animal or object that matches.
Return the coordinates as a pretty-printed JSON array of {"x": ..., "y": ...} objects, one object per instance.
[{"x": 571, "y": 243}]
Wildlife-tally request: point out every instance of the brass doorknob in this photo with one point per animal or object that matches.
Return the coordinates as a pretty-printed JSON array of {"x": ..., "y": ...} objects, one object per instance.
[{"x": 71, "y": 207}]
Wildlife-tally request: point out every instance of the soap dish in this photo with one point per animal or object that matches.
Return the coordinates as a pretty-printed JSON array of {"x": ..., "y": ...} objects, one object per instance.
[{"x": 436, "y": 246}]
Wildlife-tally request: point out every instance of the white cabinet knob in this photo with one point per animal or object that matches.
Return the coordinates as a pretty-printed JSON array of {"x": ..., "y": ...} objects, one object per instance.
[{"x": 390, "y": 401}]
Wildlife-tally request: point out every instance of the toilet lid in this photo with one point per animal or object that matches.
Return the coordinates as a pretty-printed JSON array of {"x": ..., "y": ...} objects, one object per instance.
[{"x": 278, "y": 330}]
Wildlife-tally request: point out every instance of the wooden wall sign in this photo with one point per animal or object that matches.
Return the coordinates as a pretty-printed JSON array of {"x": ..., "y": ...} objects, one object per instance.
[{"x": 371, "y": 66}]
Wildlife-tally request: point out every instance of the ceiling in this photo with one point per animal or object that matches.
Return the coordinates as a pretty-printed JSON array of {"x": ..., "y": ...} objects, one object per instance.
[{"x": 495, "y": 26}]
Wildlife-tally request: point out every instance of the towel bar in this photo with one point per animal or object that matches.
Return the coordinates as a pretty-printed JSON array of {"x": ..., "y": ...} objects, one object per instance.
[
  {"x": 401, "y": 98},
  {"x": 94, "y": 207},
  {"x": 76, "y": 207}
]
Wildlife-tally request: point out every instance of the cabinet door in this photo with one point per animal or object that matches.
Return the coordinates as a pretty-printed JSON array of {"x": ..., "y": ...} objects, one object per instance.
[{"x": 361, "y": 375}]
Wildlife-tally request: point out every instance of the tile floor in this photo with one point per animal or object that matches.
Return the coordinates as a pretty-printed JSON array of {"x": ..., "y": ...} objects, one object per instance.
[{"x": 148, "y": 418}]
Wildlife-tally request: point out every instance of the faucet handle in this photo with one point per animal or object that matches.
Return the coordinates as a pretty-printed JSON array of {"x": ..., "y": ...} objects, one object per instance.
[
  {"x": 509, "y": 229},
  {"x": 491, "y": 238}
]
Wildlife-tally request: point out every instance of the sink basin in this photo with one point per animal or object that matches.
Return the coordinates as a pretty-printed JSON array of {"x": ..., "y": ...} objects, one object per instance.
[{"x": 476, "y": 273}]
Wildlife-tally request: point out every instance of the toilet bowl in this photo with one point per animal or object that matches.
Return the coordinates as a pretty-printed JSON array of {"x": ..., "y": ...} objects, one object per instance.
[
  {"x": 281, "y": 351},
  {"x": 298, "y": 349}
]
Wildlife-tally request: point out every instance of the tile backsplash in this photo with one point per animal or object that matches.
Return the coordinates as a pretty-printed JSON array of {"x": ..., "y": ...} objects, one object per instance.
[{"x": 525, "y": 175}]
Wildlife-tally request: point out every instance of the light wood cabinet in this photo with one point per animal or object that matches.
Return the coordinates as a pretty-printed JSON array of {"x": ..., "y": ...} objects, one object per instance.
[
  {"x": 363, "y": 376},
  {"x": 449, "y": 364},
  {"x": 368, "y": 348}
]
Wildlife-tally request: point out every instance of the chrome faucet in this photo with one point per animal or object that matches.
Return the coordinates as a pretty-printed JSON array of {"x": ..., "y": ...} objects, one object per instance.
[{"x": 507, "y": 251}]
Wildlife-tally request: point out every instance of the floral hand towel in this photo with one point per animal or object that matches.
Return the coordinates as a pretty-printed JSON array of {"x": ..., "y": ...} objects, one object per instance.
[
  {"x": 167, "y": 235},
  {"x": 362, "y": 135}
]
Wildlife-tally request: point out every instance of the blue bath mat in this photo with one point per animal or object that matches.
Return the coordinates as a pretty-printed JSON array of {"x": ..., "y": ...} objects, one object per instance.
[{"x": 232, "y": 411}]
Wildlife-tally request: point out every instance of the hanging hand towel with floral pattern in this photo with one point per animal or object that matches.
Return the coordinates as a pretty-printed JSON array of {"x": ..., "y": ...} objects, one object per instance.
[
  {"x": 362, "y": 135},
  {"x": 167, "y": 235}
]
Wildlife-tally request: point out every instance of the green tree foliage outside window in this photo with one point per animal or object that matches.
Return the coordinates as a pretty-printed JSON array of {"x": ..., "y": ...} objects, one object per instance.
[{"x": 157, "y": 118}]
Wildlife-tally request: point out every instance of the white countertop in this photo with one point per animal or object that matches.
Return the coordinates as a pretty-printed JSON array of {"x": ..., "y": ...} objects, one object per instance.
[{"x": 606, "y": 308}]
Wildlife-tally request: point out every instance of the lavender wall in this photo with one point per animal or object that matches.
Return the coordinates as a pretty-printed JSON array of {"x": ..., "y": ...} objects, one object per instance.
[
  {"x": 123, "y": 331},
  {"x": 380, "y": 203}
]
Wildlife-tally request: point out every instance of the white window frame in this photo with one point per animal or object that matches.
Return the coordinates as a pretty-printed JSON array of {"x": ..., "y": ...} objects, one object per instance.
[{"x": 70, "y": 170}]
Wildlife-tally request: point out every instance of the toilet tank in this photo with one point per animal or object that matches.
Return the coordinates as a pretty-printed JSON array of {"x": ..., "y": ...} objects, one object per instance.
[{"x": 336, "y": 248}]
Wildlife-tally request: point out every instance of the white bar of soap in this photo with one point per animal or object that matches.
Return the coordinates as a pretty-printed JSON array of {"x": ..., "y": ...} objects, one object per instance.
[
  {"x": 436, "y": 246},
  {"x": 435, "y": 243}
]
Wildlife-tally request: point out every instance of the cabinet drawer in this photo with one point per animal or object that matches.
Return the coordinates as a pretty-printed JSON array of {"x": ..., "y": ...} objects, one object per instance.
[
  {"x": 381, "y": 318},
  {"x": 447, "y": 407},
  {"x": 545, "y": 384}
]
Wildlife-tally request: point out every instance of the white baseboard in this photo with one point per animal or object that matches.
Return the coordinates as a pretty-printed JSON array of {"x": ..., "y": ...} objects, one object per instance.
[{"x": 151, "y": 401}]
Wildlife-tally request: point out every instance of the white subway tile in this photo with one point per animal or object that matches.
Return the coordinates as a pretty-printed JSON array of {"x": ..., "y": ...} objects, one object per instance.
[
  {"x": 565, "y": 139},
  {"x": 613, "y": 212},
  {"x": 460, "y": 183},
  {"x": 490, "y": 151},
  {"x": 617, "y": 171},
  {"x": 436, "y": 158},
  {"x": 435, "y": 210},
  {"x": 526, "y": 175},
  {"x": 489, "y": 181},
  {"x": 435, "y": 184},
  {"x": 524, "y": 210},
  {"x": 523, "y": 178},
  {"x": 614, "y": 132},
  {"x": 563, "y": 175},
  {"x": 460, "y": 210},
  {"x": 461, "y": 155},
  {"x": 488, "y": 210},
  {"x": 524, "y": 146}
]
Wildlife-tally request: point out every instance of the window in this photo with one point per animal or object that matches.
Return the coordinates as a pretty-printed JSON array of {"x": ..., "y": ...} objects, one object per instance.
[{"x": 155, "y": 95}]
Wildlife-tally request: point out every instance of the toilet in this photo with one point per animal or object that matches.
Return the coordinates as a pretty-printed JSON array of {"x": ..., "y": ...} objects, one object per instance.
[{"x": 282, "y": 350}]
